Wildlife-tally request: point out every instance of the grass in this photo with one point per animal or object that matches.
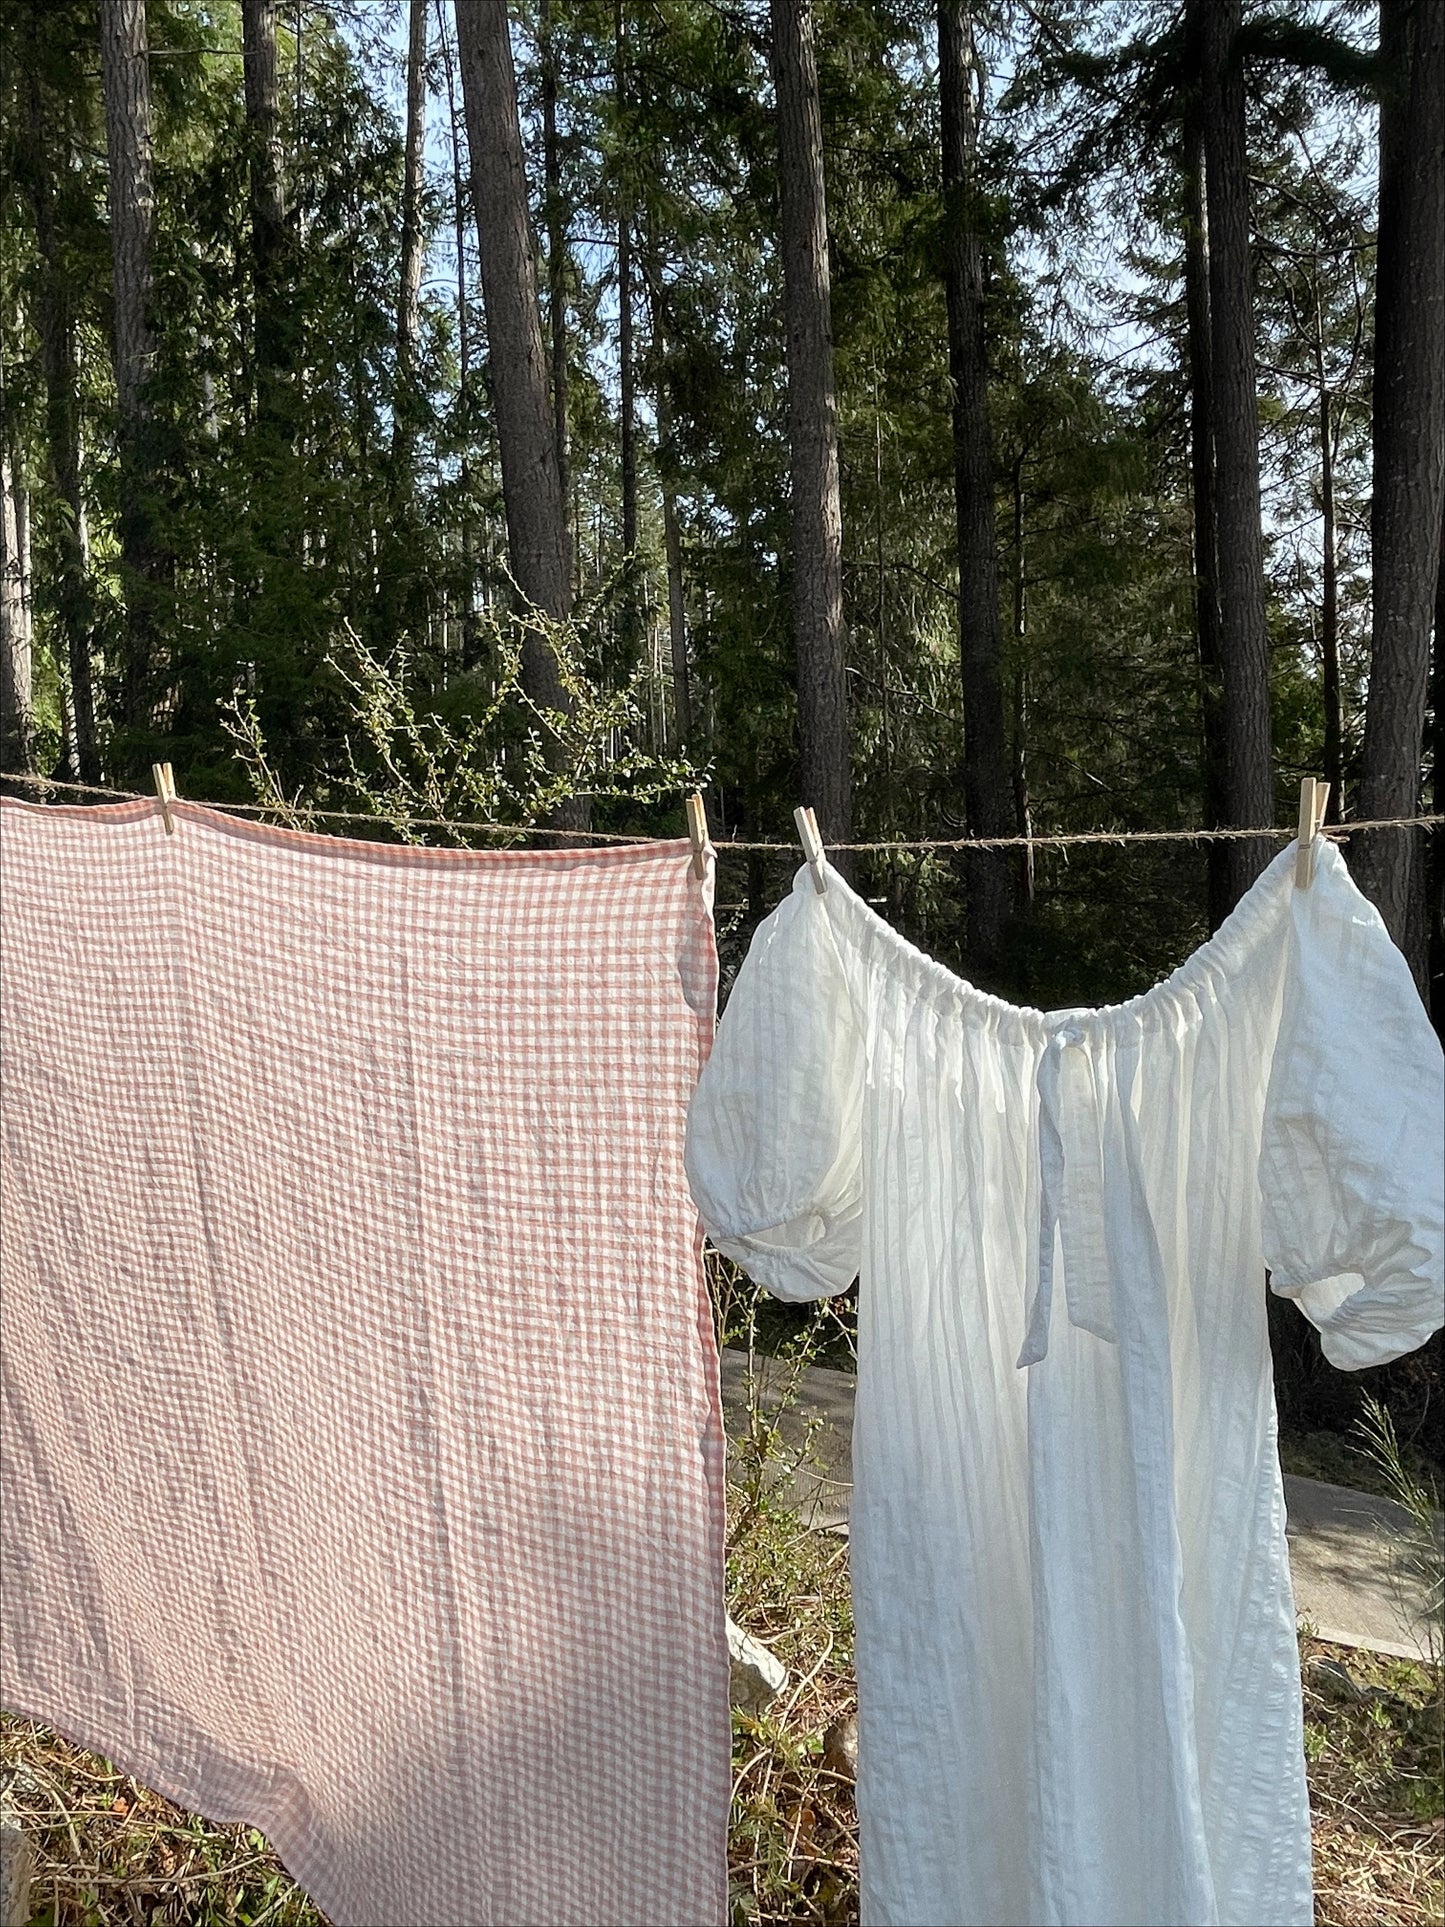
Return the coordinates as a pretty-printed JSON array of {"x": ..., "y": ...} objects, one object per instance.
[
  {"x": 1375, "y": 1791},
  {"x": 109, "y": 1851},
  {"x": 793, "y": 1839}
]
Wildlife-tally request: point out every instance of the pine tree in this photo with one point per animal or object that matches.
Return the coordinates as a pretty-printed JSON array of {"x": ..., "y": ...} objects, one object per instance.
[
  {"x": 817, "y": 525},
  {"x": 987, "y": 788},
  {"x": 1409, "y": 449}
]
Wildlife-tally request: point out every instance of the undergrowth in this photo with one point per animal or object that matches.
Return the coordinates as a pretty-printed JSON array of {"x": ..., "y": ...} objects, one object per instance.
[{"x": 1375, "y": 1790}]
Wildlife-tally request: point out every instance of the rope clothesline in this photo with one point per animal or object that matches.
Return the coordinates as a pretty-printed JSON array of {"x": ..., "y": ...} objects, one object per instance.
[{"x": 1336, "y": 832}]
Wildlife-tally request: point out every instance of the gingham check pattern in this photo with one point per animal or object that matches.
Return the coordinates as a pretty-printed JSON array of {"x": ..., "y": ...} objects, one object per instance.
[{"x": 362, "y": 1450}]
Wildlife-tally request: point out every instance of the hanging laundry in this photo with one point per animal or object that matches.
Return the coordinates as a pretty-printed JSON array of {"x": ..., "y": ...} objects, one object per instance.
[
  {"x": 1079, "y": 1688},
  {"x": 362, "y": 1450}
]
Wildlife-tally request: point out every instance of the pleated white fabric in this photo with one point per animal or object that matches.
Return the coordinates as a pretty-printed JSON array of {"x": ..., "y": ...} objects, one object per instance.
[{"x": 1078, "y": 1677}]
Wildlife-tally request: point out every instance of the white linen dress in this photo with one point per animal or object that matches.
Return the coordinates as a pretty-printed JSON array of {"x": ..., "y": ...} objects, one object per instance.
[{"x": 1078, "y": 1678}]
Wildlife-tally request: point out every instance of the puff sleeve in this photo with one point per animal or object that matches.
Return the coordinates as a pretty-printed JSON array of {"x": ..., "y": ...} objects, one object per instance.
[
  {"x": 774, "y": 1134},
  {"x": 1352, "y": 1163}
]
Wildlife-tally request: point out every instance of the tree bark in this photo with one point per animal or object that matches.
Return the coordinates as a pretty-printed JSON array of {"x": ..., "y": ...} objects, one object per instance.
[
  {"x": 75, "y": 603},
  {"x": 627, "y": 369},
  {"x": 125, "y": 79},
  {"x": 1435, "y": 862},
  {"x": 671, "y": 531},
  {"x": 531, "y": 489},
  {"x": 627, "y": 383},
  {"x": 989, "y": 876},
  {"x": 631, "y": 609},
  {"x": 468, "y": 652},
  {"x": 1023, "y": 810},
  {"x": 817, "y": 516},
  {"x": 412, "y": 240},
  {"x": 1247, "y": 774},
  {"x": 1201, "y": 464},
  {"x": 73, "y": 600},
  {"x": 677, "y": 622},
  {"x": 1409, "y": 452},
  {"x": 274, "y": 331},
  {"x": 554, "y": 217},
  {"x": 1333, "y": 758},
  {"x": 17, "y": 714}
]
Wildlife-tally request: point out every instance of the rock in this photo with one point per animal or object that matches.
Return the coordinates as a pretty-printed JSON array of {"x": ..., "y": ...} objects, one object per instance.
[
  {"x": 14, "y": 1876},
  {"x": 758, "y": 1676},
  {"x": 1332, "y": 1681},
  {"x": 840, "y": 1748},
  {"x": 1381, "y": 1696}
]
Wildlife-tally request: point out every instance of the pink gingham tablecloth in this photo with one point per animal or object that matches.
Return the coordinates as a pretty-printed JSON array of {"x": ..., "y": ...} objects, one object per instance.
[{"x": 362, "y": 1459}]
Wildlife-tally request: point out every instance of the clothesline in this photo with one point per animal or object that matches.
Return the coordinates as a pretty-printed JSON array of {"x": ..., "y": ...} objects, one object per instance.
[{"x": 1336, "y": 832}]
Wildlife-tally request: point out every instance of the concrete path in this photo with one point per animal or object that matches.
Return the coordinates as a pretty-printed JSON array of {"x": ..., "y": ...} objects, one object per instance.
[
  {"x": 1344, "y": 1546},
  {"x": 1345, "y": 1560}
]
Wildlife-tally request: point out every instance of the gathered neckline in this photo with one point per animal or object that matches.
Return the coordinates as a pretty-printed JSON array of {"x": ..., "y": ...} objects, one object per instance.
[{"x": 1226, "y": 949}]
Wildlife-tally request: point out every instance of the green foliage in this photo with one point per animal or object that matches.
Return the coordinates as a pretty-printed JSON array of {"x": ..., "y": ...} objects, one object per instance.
[
  {"x": 427, "y": 754},
  {"x": 1421, "y": 1558},
  {"x": 345, "y": 540},
  {"x": 1373, "y": 1752},
  {"x": 339, "y": 593}
]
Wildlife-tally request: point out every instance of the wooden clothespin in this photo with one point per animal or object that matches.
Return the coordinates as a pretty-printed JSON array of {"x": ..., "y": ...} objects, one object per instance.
[
  {"x": 812, "y": 847},
  {"x": 697, "y": 833},
  {"x": 166, "y": 791},
  {"x": 1313, "y": 795}
]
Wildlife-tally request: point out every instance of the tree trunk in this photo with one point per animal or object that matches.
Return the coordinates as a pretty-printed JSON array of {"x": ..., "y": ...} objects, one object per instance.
[
  {"x": 677, "y": 622},
  {"x": 631, "y": 610},
  {"x": 1333, "y": 760},
  {"x": 412, "y": 242},
  {"x": 626, "y": 371},
  {"x": 73, "y": 601},
  {"x": 1409, "y": 451},
  {"x": 555, "y": 220},
  {"x": 627, "y": 382},
  {"x": 671, "y": 532},
  {"x": 469, "y": 651},
  {"x": 987, "y": 779},
  {"x": 1248, "y": 770},
  {"x": 1201, "y": 464},
  {"x": 531, "y": 491},
  {"x": 1023, "y": 811},
  {"x": 75, "y": 604},
  {"x": 817, "y": 516},
  {"x": 1436, "y": 861},
  {"x": 273, "y": 297},
  {"x": 125, "y": 77},
  {"x": 17, "y": 715}
]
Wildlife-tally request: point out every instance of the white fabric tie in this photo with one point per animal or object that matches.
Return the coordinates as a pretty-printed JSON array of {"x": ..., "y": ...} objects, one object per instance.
[{"x": 1071, "y": 1193}]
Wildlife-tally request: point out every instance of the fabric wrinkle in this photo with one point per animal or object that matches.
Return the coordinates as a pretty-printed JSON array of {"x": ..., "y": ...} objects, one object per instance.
[
  {"x": 375, "y": 1498},
  {"x": 1072, "y": 1127},
  {"x": 1093, "y": 1504}
]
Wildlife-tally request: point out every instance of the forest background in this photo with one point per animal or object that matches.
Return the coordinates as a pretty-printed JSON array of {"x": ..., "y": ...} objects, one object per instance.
[{"x": 994, "y": 418}]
